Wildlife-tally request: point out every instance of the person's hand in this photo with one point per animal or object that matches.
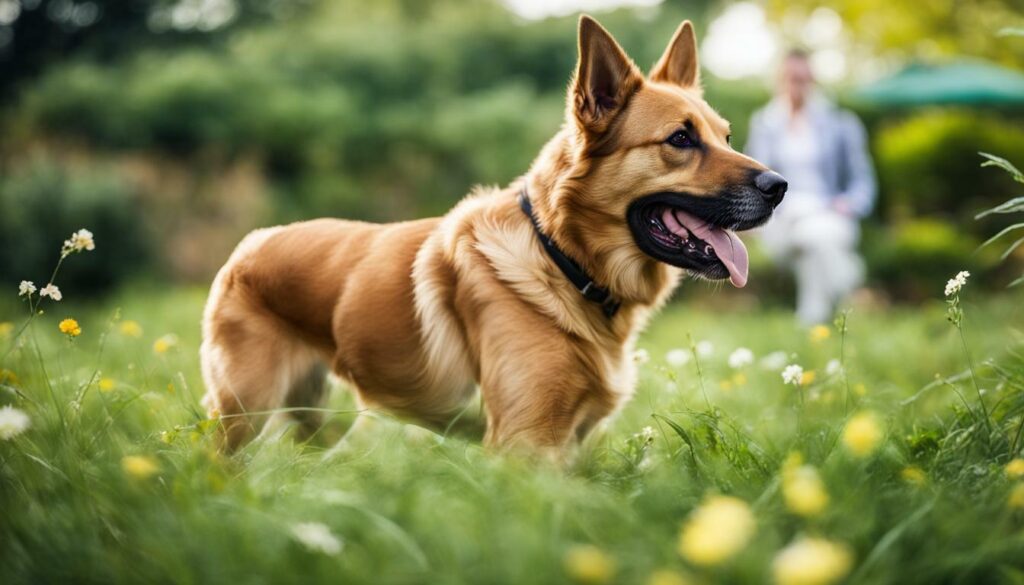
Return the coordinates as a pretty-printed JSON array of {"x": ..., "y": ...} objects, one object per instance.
[{"x": 842, "y": 207}]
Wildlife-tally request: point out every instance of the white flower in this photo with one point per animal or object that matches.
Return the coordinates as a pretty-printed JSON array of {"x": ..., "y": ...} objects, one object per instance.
[
  {"x": 793, "y": 374},
  {"x": 705, "y": 349},
  {"x": 833, "y": 367},
  {"x": 774, "y": 361},
  {"x": 956, "y": 283},
  {"x": 641, "y": 356},
  {"x": 26, "y": 288},
  {"x": 80, "y": 240},
  {"x": 317, "y": 537},
  {"x": 13, "y": 422},
  {"x": 678, "y": 358},
  {"x": 646, "y": 434},
  {"x": 740, "y": 358},
  {"x": 51, "y": 291}
]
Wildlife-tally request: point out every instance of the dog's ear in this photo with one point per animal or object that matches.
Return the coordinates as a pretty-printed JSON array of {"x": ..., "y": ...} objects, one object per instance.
[
  {"x": 679, "y": 63},
  {"x": 605, "y": 77}
]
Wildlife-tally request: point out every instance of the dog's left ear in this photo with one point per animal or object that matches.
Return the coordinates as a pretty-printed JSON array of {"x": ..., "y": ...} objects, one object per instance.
[
  {"x": 679, "y": 64},
  {"x": 605, "y": 78}
]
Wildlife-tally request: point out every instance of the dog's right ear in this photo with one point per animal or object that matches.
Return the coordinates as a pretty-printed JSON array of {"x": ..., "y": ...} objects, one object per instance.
[{"x": 605, "y": 77}]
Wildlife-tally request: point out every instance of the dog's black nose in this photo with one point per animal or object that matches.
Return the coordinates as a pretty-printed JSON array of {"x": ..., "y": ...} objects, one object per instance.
[{"x": 772, "y": 185}]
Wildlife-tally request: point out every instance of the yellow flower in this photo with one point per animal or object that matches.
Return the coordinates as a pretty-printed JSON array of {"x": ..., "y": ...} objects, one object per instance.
[
  {"x": 820, "y": 333},
  {"x": 803, "y": 490},
  {"x": 811, "y": 561},
  {"x": 1016, "y": 499},
  {"x": 139, "y": 466},
  {"x": 716, "y": 531},
  {"x": 70, "y": 327},
  {"x": 862, "y": 434},
  {"x": 589, "y": 564},
  {"x": 165, "y": 343},
  {"x": 860, "y": 389},
  {"x": 914, "y": 475},
  {"x": 668, "y": 577},
  {"x": 807, "y": 378},
  {"x": 739, "y": 378},
  {"x": 8, "y": 377},
  {"x": 725, "y": 385},
  {"x": 130, "y": 328},
  {"x": 5, "y": 328},
  {"x": 1015, "y": 468},
  {"x": 106, "y": 384}
]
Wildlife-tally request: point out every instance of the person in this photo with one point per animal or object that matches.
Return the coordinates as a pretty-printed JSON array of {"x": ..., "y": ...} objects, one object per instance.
[{"x": 821, "y": 149}]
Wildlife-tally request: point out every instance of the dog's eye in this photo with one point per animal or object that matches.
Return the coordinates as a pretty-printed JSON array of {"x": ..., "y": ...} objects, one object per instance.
[
  {"x": 681, "y": 139},
  {"x": 728, "y": 139}
]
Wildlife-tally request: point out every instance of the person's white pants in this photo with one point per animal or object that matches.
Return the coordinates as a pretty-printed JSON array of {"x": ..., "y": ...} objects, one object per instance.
[{"x": 820, "y": 245}]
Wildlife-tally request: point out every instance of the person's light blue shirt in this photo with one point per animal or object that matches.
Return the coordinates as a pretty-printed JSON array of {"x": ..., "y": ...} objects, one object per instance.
[{"x": 845, "y": 164}]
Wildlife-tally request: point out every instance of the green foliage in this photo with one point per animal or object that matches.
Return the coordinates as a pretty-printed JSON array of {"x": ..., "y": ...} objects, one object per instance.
[
  {"x": 43, "y": 203},
  {"x": 414, "y": 507},
  {"x": 1015, "y": 205}
]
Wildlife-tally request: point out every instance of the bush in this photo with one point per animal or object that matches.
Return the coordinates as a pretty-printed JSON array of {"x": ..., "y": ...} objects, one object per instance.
[{"x": 43, "y": 204}]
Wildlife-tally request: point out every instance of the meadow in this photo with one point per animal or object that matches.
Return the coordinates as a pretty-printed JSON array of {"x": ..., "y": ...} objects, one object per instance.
[{"x": 880, "y": 462}]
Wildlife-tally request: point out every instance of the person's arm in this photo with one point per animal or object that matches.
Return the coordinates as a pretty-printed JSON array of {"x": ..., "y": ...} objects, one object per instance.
[{"x": 858, "y": 196}]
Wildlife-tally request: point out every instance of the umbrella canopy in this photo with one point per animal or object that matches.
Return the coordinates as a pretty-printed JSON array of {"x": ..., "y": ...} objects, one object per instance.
[{"x": 959, "y": 83}]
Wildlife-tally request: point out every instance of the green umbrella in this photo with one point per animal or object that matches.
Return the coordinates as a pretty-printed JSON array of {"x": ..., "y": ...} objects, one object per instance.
[{"x": 960, "y": 82}]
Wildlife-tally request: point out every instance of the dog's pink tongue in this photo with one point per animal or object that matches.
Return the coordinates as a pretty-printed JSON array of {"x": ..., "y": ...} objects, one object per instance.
[{"x": 727, "y": 245}]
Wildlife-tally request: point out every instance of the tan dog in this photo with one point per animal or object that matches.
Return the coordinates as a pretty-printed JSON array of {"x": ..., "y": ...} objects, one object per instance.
[{"x": 639, "y": 186}]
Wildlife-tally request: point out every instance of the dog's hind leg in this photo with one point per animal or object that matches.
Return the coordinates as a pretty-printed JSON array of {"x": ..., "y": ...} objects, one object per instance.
[{"x": 306, "y": 395}]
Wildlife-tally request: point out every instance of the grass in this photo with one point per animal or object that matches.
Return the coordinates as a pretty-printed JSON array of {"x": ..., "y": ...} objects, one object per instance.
[{"x": 414, "y": 507}]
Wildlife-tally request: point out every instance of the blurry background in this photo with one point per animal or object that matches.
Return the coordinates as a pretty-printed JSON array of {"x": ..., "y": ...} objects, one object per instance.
[{"x": 170, "y": 128}]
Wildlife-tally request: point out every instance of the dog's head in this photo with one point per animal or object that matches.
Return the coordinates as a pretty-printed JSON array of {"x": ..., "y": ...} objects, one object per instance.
[{"x": 652, "y": 172}]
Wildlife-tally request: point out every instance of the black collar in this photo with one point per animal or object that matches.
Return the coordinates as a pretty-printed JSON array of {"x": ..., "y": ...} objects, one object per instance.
[{"x": 576, "y": 275}]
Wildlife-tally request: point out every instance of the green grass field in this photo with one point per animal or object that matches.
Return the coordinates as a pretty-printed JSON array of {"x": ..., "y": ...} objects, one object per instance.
[{"x": 117, "y": 478}]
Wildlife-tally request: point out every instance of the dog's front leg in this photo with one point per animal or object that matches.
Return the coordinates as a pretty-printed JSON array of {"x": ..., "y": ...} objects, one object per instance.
[{"x": 537, "y": 392}]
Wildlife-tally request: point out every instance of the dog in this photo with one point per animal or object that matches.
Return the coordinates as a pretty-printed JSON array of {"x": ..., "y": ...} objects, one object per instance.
[{"x": 533, "y": 294}]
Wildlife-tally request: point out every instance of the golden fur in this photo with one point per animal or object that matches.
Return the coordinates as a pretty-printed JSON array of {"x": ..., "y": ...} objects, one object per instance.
[{"x": 417, "y": 315}]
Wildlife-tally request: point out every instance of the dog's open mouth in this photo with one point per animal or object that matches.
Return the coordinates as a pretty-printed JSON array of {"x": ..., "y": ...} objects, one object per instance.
[{"x": 677, "y": 237}]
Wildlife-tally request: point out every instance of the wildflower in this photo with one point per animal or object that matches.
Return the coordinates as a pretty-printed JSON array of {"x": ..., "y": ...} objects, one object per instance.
[
  {"x": 725, "y": 385},
  {"x": 741, "y": 358},
  {"x": 820, "y": 333},
  {"x": 677, "y": 358},
  {"x": 862, "y": 434},
  {"x": 802, "y": 488},
  {"x": 5, "y": 328},
  {"x": 808, "y": 378},
  {"x": 165, "y": 343},
  {"x": 1015, "y": 468},
  {"x": 668, "y": 577},
  {"x": 914, "y": 475},
  {"x": 130, "y": 328},
  {"x": 774, "y": 361},
  {"x": 716, "y": 531},
  {"x": 641, "y": 356},
  {"x": 833, "y": 367},
  {"x": 1016, "y": 499},
  {"x": 588, "y": 564},
  {"x": 80, "y": 240},
  {"x": 8, "y": 377},
  {"x": 317, "y": 537},
  {"x": 139, "y": 466},
  {"x": 70, "y": 327},
  {"x": 860, "y": 389},
  {"x": 26, "y": 288},
  {"x": 106, "y": 384},
  {"x": 13, "y": 422},
  {"x": 51, "y": 291},
  {"x": 739, "y": 379},
  {"x": 704, "y": 348},
  {"x": 646, "y": 434},
  {"x": 956, "y": 283},
  {"x": 811, "y": 561},
  {"x": 793, "y": 374}
]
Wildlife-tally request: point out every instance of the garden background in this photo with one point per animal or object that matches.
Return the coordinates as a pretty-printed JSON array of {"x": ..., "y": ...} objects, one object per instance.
[{"x": 169, "y": 128}]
